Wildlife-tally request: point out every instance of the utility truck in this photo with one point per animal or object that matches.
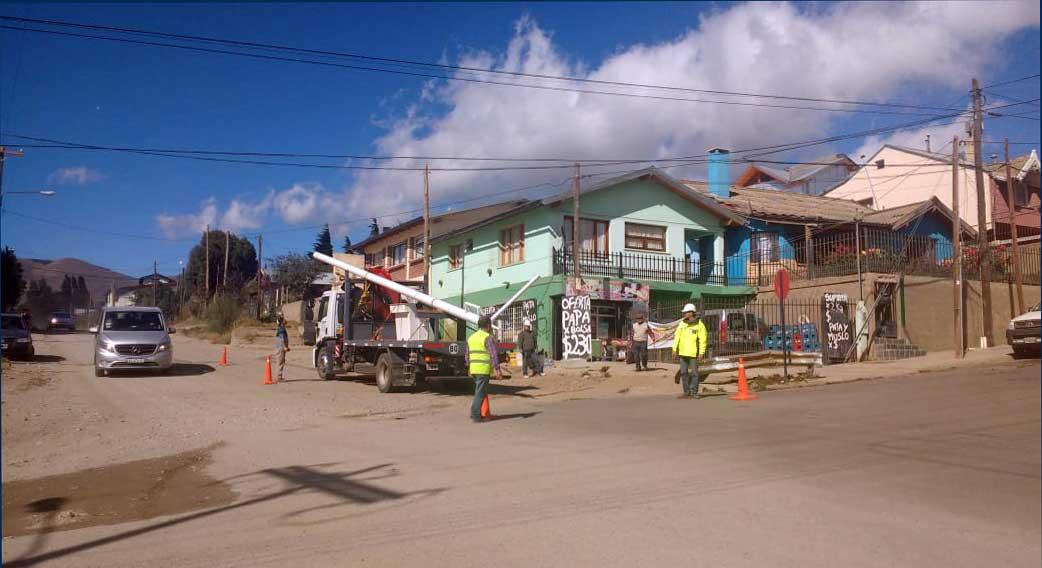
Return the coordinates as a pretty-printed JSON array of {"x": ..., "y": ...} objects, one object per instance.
[{"x": 406, "y": 335}]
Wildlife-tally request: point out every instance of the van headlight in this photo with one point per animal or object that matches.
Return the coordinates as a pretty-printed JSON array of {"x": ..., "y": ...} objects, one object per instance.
[
  {"x": 164, "y": 346},
  {"x": 54, "y": 320},
  {"x": 1010, "y": 325}
]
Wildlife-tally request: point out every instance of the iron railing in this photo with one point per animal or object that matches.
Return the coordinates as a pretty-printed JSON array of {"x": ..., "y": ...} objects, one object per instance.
[{"x": 645, "y": 267}]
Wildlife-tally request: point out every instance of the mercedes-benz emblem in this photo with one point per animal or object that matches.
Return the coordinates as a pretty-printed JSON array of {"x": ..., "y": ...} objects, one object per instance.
[{"x": 136, "y": 350}]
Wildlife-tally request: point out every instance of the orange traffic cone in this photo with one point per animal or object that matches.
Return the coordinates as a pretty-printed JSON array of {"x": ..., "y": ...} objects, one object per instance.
[
  {"x": 486, "y": 412},
  {"x": 224, "y": 358},
  {"x": 267, "y": 371},
  {"x": 743, "y": 384}
]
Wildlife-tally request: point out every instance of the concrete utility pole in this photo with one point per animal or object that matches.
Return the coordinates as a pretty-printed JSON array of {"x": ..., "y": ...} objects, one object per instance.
[
  {"x": 1011, "y": 205},
  {"x": 857, "y": 250},
  {"x": 960, "y": 349},
  {"x": 206, "y": 246},
  {"x": 576, "y": 245},
  {"x": 983, "y": 250},
  {"x": 227, "y": 253},
  {"x": 426, "y": 227},
  {"x": 4, "y": 153}
]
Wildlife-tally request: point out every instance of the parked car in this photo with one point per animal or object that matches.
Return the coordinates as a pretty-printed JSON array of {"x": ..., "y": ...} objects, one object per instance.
[
  {"x": 132, "y": 339},
  {"x": 733, "y": 332},
  {"x": 62, "y": 321},
  {"x": 16, "y": 337},
  {"x": 1023, "y": 332}
]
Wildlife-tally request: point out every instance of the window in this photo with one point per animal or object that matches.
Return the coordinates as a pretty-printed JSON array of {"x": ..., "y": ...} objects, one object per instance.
[
  {"x": 512, "y": 245},
  {"x": 397, "y": 253},
  {"x": 645, "y": 237},
  {"x": 765, "y": 248},
  {"x": 1021, "y": 197},
  {"x": 416, "y": 248},
  {"x": 378, "y": 258},
  {"x": 455, "y": 256},
  {"x": 593, "y": 235},
  {"x": 132, "y": 321}
]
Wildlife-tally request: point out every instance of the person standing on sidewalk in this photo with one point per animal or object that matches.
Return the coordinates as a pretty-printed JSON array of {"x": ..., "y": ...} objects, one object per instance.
[
  {"x": 281, "y": 347},
  {"x": 528, "y": 344},
  {"x": 641, "y": 333},
  {"x": 482, "y": 360},
  {"x": 689, "y": 343}
]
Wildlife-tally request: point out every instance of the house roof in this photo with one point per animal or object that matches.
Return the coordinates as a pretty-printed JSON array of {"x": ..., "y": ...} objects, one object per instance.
[
  {"x": 776, "y": 205},
  {"x": 671, "y": 183},
  {"x": 902, "y": 216},
  {"x": 446, "y": 222},
  {"x": 795, "y": 173},
  {"x": 666, "y": 180},
  {"x": 1021, "y": 166}
]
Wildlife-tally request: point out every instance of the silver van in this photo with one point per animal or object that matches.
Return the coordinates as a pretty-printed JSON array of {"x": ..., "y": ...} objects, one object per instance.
[{"x": 132, "y": 339}]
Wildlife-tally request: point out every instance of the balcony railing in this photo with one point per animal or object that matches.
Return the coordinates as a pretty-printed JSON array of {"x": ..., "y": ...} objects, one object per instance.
[{"x": 643, "y": 267}]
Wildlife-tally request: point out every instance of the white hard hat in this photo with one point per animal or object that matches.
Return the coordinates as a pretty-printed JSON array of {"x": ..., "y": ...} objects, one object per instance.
[{"x": 689, "y": 308}]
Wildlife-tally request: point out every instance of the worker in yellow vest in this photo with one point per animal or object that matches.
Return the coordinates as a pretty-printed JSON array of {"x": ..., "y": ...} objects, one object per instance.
[
  {"x": 482, "y": 359},
  {"x": 689, "y": 344}
]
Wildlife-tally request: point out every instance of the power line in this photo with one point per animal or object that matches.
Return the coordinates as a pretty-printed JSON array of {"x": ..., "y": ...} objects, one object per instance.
[
  {"x": 456, "y": 77},
  {"x": 1035, "y": 76},
  {"x": 387, "y": 60}
]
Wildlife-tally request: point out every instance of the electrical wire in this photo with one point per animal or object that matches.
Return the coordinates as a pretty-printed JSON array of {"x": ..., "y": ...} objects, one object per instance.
[
  {"x": 457, "y": 77},
  {"x": 1035, "y": 76},
  {"x": 387, "y": 60}
]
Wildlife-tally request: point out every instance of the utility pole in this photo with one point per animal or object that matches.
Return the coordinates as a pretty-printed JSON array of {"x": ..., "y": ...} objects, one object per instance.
[
  {"x": 4, "y": 152},
  {"x": 927, "y": 142},
  {"x": 983, "y": 249},
  {"x": 426, "y": 227},
  {"x": 857, "y": 249},
  {"x": 227, "y": 253},
  {"x": 1011, "y": 205},
  {"x": 207, "y": 247},
  {"x": 155, "y": 283},
  {"x": 960, "y": 349},
  {"x": 576, "y": 245},
  {"x": 260, "y": 273}
]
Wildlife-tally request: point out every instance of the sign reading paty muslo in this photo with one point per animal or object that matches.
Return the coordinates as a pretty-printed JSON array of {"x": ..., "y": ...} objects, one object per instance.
[
  {"x": 838, "y": 337},
  {"x": 575, "y": 327}
]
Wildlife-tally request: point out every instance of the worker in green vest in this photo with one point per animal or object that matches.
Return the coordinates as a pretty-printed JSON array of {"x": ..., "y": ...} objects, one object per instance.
[
  {"x": 483, "y": 360},
  {"x": 689, "y": 344}
]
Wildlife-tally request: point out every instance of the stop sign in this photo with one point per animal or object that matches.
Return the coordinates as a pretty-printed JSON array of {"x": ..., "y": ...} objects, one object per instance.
[{"x": 781, "y": 284}]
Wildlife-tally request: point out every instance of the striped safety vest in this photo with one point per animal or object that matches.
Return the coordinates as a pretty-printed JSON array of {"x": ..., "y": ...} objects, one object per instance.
[{"x": 480, "y": 362}]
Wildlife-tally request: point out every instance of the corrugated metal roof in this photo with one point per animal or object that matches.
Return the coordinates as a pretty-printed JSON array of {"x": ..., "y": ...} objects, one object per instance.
[
  {"x": 449, "y": 222},
  {"x": 776, "y": 205}
]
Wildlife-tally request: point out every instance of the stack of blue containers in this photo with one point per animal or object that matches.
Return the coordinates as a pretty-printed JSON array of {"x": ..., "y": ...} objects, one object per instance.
[
  {"x": 809, "y": 333},
  {"x": 805, "y": 336}
]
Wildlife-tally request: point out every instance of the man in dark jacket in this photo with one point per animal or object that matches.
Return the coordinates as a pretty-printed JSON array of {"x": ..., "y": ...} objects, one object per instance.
[{"x": 527, "y": 343}]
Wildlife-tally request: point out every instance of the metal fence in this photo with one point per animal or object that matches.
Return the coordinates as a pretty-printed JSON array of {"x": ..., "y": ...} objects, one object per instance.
[
  {"x": 739, "y": 325},
  {"x": 647, "y": 267}
]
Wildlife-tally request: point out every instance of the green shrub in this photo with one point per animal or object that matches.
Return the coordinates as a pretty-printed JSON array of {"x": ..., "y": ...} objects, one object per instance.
[{"x": 222, "y": 313}]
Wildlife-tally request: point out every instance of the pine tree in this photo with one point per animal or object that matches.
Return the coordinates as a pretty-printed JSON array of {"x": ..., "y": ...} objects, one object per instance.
[
  {"x": 347, "y": 244},
  {"x": 324, "y": 241},
  {"x": 374, "y": 228}
]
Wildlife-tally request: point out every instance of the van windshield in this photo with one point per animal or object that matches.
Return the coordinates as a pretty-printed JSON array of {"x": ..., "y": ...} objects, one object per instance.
[{"x": 133, "y": 321}]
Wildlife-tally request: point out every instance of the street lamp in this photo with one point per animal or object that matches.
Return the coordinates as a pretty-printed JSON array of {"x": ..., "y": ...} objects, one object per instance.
[{"x": 43, "y": 192}]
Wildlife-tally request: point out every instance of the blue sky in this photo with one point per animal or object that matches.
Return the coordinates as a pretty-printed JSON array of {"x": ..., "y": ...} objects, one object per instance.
[{"x": 126, "y": 95}]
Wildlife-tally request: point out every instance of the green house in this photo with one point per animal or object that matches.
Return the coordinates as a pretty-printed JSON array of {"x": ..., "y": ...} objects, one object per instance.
[{"x": 644, "y": 237}]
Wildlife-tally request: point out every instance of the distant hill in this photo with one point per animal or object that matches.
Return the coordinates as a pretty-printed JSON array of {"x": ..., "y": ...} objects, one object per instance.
[{"x": 98, "y": 279}]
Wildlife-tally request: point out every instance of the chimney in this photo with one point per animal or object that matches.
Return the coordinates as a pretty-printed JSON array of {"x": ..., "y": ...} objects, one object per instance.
[{"x": 719, "y": 173}]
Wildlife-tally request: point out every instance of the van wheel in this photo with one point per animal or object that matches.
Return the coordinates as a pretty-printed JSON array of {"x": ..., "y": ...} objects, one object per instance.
[
  {"x": 385, "y": 374},
  {"x": 99, "y": 372},
  {"x": 326, "y": 370}
]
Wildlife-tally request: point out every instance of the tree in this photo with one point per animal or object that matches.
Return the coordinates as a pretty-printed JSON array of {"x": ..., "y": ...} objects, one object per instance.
[
  {"x": 13, "y": 284},
  {"x": 84, "y": 299},
  {"x": 294, "y": 272},
  {"x": 67, "y": 291},
  {"x": 242, "y": 264},
  {"x": 324, "y": 241},
  {"x": 374, "y": 228},
  {"x": 167, "y": 298},
  {"x": 347, "y": 244},
  {"x": 41, "y": 299}
]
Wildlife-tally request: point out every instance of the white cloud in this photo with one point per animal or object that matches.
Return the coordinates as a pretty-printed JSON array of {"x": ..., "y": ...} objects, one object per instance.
[
  {"x": 243, "y": 214},
  {"x": 80, "y": 175},
  {"x": 186, "y": 224},
  {"x": 940, "y": 139},
  {"x": 301, "y": 203},
  {"x": 867, "y": 51}
]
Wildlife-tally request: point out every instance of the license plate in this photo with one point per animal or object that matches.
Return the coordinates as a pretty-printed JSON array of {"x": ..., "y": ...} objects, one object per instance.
[{"x": 135, "y": 361}]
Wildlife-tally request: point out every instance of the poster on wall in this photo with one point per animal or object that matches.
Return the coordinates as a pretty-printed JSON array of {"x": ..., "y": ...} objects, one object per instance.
[
  {"x": 576, "y": 335},
  {"x": 838, "y": 336},
  {"x": 614, "y": 290}
]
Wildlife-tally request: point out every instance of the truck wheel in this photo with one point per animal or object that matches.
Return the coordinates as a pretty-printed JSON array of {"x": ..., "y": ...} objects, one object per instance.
[
  {"x": 326, "y": 370},
  {"x": 384, "y": 373}
]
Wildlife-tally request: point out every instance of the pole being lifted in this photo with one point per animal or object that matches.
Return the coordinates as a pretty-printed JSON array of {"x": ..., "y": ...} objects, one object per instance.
[{"x": 421, "y": 297}]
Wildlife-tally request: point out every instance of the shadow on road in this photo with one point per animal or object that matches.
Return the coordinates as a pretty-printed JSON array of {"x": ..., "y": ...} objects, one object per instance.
[
  {"x": 498, "y": 417},
  {"x": 297, "y": 479},
  {"x": 46, "y": 359},
  {"x": 50, "y": 508},
  {"x": 189, "y": 369}
]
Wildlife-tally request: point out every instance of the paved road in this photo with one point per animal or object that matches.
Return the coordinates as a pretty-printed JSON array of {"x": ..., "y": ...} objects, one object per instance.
[{"x": 938, "y": 469}]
